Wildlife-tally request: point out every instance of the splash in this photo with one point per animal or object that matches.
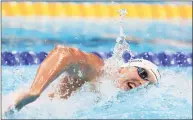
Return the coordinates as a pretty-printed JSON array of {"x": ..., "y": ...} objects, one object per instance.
[
  {"x": 121, "y": 46},
  {"x": 107, "y": 87},
  {"x": 168, "y": 100}
]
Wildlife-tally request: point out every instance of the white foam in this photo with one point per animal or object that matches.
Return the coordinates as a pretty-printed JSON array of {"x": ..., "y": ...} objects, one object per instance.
[{"x": 175, "y": 85}]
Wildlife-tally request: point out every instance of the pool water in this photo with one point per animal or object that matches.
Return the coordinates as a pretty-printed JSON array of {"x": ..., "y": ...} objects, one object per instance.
[
  {"x": 171, "y": 98},
  {"x": 19, "y": 34}
]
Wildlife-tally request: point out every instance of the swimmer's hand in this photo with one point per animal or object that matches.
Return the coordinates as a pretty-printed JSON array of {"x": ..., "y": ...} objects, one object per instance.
[
  {"x": 9, "y": 111},
  {"x": 22, "y": 100}
]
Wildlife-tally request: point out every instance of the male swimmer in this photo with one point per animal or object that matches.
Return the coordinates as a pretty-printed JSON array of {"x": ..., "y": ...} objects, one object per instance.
[{"x": 73, "y": 61}]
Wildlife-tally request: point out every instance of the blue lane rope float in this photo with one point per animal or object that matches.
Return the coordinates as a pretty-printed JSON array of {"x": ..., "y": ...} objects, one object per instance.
[{"x": 160, "y": 59}]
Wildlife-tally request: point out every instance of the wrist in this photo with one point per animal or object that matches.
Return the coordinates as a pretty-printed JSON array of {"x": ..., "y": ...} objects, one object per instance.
[{"x": 24, "y": 99}]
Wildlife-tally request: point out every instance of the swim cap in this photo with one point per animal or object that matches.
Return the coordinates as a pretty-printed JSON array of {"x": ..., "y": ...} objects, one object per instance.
[{"x": 151, "y": 68}]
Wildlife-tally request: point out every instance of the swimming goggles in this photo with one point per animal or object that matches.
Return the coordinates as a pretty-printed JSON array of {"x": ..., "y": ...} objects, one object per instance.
[{"x": 142, "y": 73}]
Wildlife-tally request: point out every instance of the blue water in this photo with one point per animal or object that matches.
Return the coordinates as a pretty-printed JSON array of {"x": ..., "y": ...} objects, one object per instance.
[
  {"x": 17, "y": 34},
  {"x": 171, "y": 98}
]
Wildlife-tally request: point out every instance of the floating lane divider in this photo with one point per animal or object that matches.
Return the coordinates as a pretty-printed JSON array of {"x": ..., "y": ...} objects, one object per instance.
[
  {"x": 99, "y": 10},
  {"x": 160, "y": 59}
]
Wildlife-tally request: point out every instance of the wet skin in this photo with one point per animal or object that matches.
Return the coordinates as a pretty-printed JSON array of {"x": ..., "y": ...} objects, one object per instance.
[{"x": 81, "y": 67}]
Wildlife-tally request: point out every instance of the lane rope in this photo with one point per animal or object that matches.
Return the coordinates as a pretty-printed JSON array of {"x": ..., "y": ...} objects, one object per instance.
[
  {"x": 99, "y": 10},
  {"x": 160, "y": 59}
]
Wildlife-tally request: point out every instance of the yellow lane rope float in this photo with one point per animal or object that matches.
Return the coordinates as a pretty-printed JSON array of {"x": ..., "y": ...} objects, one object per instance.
[{"x": 99, "y": 10}]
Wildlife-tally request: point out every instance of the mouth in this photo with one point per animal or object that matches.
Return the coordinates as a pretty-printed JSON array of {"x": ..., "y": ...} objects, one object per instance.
[{"x": 131, "y": 85}]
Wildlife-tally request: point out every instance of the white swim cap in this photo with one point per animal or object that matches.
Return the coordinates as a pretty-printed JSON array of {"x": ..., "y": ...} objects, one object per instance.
[{"x": 151, "y": 68}]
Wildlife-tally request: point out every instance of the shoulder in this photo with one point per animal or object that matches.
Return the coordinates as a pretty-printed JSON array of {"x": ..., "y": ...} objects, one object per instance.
[
  {"x": 74, "y": 54},
  {"x": 80, "y": 56},
  {"x": 70, "y": 50},
  {"x": 77, "y": 54},
  {"x": 94, "y": 59}
]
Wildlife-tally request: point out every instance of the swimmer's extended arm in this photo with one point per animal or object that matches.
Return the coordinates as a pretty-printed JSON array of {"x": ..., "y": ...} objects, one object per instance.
[{"x": 54, "y": 64}]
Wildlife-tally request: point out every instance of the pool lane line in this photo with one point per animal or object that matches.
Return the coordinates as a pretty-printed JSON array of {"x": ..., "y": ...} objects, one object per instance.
[
  {"x": 98, "y": 10},
  {"x": 162, "y": 58}
]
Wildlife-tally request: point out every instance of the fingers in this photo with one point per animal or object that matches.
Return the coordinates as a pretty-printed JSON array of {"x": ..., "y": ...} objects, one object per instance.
[{"x": 10, "y": 111}]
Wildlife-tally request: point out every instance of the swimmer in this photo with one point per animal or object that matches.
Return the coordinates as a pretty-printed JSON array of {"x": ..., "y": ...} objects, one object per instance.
[{"x": 73, "y": 61}]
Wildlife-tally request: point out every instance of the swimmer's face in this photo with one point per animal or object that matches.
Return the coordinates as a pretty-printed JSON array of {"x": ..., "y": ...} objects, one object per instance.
[{"x": 132, "y": 77}]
